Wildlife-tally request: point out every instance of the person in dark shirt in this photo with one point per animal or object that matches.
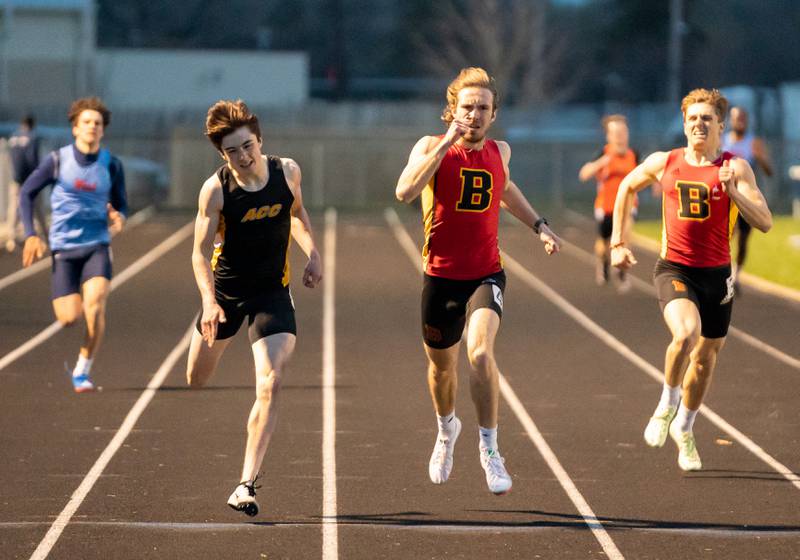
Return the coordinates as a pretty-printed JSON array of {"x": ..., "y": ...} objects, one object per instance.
[
  {"x": 253, "y": 205},
  {"x": 88, "y": 204},
  {"x": 23, "y": 147}
]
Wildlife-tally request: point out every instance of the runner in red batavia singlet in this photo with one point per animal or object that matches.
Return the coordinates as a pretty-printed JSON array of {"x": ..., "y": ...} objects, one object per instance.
[
  {"x": 461, "y": 210},
  {"x": 462, "y": 177},
  {"x": 695, "y": 206},
  {"x": 703, "y": 190}
]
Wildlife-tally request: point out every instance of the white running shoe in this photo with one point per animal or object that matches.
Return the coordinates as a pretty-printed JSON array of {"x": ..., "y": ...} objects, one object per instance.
[
  {"x": 688, "y": 457},
  {"x": 244, "y": 498},
  {"x": 497, "y": 477},
  {"x": 655, "y": 434},
  {"x": 441, "y": 462}
]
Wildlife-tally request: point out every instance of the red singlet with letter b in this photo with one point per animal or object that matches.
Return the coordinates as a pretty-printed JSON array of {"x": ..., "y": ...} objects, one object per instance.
[
  {"x": 698, "y": 217},
  {"x": 460, "y": 212}
]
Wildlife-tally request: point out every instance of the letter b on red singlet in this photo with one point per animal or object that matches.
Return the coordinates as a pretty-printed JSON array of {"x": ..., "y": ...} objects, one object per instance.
[
  {"x": 694, "y": 200},
  {"x": 476, "y": 190}
]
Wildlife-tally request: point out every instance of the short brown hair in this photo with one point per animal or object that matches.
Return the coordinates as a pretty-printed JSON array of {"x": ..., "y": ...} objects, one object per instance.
[
  {"x": 711, "y": 96},
  {"x": 608, "y": 119},
  {"x": 469, "y": 77},
  {"x": 226, "y": 116},
  {"x": 88, "y": 104}
]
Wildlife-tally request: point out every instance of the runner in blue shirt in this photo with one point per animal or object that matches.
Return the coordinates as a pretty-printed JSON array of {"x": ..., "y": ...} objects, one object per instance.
[{"x": 88, "y": 205}]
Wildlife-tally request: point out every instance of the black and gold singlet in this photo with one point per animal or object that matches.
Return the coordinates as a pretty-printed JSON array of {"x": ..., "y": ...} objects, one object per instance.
[{"x": 255, "y": 228}]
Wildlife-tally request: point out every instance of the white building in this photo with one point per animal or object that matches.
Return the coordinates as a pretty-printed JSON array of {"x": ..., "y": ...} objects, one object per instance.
[{"x": 49, "y": 56}]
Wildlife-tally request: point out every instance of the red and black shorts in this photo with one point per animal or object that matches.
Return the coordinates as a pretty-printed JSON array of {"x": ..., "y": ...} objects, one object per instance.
[
  {"x": 446, "y": 304},
  {"x": 710, "y": 289}
]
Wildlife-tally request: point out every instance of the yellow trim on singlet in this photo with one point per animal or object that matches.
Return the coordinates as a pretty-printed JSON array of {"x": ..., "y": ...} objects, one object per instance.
[
  {"x": 733, "y": 213},
  {"x": 427, "y": 198},
  {"x": 218, "y": 247},
  {"x": 287, "y": 267}
]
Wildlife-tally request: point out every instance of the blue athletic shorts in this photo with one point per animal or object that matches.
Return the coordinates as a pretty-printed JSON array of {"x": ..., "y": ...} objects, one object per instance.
[{"x": 73, "y": 267}]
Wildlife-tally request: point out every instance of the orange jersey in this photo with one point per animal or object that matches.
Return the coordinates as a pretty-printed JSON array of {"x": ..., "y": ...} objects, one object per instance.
[
  {"x": 698, "y": 217},
  {"x": 460, "y": 212},
  {"x": 610, "y": 177}
]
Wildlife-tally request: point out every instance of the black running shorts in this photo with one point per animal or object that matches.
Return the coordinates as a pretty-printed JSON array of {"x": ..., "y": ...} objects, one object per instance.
[
  {"x": 267, "y": 314},
  {"x": 605, "y": 225},
  {"x": 710, "y": 289},
  {"x": 446, "y": 304}
]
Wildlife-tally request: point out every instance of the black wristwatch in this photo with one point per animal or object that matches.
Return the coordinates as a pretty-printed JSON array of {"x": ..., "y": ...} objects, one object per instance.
[{"x": 538, "y": 224}]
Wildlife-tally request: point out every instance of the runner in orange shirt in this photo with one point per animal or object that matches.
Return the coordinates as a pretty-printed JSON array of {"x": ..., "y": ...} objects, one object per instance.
[{"x": 608, "y": 168}]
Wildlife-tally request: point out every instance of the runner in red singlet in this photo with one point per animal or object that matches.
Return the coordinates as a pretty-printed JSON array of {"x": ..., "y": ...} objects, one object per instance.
[
  {"x": 608, "y": 168},
  {"x": 463, "y": 179},
  {"x": 703, "y": 191}
]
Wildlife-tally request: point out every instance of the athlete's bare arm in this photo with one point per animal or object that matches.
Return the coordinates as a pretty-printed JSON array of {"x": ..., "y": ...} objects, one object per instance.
[
  {"x": 739, "y": 182},
  {"x": 301, "y": 225},
  {"x": 649, "y": 171},
  {"x": 205, "y": 228},
  {"x": 425, "y": 158},
  {"x": 590, "y": 168},
  {"x": 518, "y": 206}
]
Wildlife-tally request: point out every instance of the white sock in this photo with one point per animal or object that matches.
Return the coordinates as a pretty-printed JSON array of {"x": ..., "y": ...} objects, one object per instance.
[
  {"x": 685, "y": 418},
  {"x": 83, "y": 366},
  {"x": 488, "y": 437},
  {"x": 446, "y": 424},
  {"x": 670, "y": 396}
]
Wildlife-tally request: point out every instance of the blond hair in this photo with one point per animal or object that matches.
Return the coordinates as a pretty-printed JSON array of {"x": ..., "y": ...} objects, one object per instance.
[
  {"x": 608, "y": 119},
  {"x": 225, "y": 117},
  {"x": 469, "y": 77},
  {"x": 711, "y": 96}
]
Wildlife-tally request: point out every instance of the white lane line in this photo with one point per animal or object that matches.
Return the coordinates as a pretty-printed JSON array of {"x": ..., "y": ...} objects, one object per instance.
[
  {"x": 526, "y": 276},
  {"x": 764, "y": 347},
  {"x": 330, "y": 536},
  {"x": 564, "y": 479},
  {"x": 42, "y": 264},
  {"x": 58, "y": 526},
  {"x": 527, "y": 422},
  {"x": 647, "y": 288},
  {"x": 143, "y": 262}
]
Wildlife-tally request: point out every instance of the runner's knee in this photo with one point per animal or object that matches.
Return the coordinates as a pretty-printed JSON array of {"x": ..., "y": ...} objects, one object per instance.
[
  {"x": 685, "y": 337},
  {"x": 440, "y": 373},
  {"x": 481, "y": 359},
  {"x": 267, "y": 385},
  {"x": 94, "y": 309},
  {"x": 68, "y": 318},
  {"x": 704, "y": 360}
]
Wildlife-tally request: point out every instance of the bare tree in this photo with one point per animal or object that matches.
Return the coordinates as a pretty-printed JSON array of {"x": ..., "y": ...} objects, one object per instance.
[{"x": 507, "y": 37}]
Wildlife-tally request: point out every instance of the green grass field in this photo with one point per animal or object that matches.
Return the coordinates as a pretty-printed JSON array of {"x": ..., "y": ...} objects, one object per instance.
[{"x": 774, "y": 256}]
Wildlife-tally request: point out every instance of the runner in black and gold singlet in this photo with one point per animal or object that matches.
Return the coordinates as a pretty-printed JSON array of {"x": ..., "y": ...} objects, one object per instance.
[
  {"x": 251, "y": 265},
  {"x": 253, "y": 205}
]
